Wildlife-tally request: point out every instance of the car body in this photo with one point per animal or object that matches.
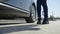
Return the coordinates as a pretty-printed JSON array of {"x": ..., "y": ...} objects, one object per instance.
[{"x": 16, "y": 8}]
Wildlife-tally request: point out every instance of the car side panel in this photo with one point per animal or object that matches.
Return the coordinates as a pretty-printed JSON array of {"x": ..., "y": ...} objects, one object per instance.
[{"x": 23, "y": 4}]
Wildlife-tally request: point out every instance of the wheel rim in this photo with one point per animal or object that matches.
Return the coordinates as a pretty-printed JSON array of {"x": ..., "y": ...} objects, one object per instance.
[{"x": 33, "y": 13}]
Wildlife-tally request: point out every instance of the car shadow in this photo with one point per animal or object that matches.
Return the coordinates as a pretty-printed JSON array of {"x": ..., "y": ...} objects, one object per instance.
[{"x": 18, "y": 28}]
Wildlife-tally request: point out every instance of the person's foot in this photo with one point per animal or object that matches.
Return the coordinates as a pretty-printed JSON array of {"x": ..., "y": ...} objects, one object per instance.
[
  {"x": 39, "y": 22},
  {"x": 45, "y": 22}
]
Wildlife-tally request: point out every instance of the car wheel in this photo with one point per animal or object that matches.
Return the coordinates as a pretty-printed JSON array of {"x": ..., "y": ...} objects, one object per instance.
[{"x": 32, "y": 17}]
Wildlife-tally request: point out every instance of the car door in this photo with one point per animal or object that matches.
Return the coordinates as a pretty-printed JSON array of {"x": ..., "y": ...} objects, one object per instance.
[{"x": 22, "y": 4}]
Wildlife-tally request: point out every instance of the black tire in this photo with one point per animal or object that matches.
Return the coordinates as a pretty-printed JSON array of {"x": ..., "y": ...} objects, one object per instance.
[{"x": 31, "y": 19}]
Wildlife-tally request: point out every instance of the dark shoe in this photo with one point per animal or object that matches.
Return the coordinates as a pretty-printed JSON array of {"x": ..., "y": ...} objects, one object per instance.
[
  {"x": 38, "y": 23},
  {"x": 45, "y": 22}
]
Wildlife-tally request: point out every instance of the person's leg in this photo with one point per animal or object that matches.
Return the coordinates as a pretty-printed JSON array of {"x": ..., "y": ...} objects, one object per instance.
[
  {"x": 45, "y": 8},
  {"x": 39, "y": 11}
]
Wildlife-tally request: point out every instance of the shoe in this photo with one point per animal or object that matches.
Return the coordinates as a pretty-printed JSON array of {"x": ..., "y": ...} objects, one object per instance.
[
  {"x": 38, "y": 22},
  {"x": 45, "y": 22}
]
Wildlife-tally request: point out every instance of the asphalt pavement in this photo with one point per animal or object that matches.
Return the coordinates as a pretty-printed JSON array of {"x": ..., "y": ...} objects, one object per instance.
[{"x": 31, "y": 28}]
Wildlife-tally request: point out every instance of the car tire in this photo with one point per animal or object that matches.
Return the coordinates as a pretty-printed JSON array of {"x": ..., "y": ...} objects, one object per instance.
[{"x": 32, "y": 17}]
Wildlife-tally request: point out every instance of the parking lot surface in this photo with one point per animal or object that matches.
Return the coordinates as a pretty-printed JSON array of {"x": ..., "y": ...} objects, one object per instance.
[{"x": 31, "y": 28}]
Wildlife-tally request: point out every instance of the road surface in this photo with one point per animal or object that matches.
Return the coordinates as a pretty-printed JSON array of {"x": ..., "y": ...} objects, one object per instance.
[{"x": 32, "y": 28}]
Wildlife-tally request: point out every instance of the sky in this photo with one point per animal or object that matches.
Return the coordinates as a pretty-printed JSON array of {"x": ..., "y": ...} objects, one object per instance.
[{"x": 54, "y": 6}]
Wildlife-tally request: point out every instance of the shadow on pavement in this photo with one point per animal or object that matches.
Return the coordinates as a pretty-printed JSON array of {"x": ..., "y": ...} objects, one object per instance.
[
  {"x": 18, "y": 28},
  {"x": 9, "y": 23}
]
